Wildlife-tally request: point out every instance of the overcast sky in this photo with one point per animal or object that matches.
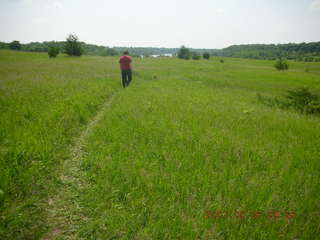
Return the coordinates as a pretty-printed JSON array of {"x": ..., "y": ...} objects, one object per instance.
[{"x": 162, "y": 23}]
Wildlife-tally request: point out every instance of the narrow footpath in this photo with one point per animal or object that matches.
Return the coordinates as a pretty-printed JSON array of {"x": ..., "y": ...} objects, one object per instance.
[{"x": 63, "y": 209}]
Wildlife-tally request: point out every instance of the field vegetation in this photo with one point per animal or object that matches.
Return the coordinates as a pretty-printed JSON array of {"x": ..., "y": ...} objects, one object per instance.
[
  {"x": 188, "y": 151},
  {"x": 44, "y": 103}
]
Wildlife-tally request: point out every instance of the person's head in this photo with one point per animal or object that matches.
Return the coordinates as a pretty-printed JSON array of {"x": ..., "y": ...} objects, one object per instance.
[{"x": 125, "y": 53}]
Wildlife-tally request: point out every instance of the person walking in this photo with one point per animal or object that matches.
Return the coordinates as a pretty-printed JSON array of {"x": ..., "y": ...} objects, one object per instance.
[{"x": 125, "y": 66}]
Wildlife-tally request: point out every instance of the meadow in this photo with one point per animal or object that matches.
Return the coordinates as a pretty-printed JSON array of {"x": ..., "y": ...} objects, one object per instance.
[{"x": 187, "y": 151}]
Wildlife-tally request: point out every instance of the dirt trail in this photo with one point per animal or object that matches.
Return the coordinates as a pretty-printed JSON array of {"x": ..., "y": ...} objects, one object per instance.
[{"x": 63, "y": 209}]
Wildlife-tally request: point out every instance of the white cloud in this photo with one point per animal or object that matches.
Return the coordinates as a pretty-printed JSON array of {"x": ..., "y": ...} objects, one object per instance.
[{"x": 315, "y": 5}]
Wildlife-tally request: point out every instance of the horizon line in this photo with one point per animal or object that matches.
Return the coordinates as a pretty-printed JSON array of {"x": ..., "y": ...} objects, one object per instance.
[{"x": 170, "y": 47}]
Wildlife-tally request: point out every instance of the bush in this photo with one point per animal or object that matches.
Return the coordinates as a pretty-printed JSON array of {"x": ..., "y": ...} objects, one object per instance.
[
  {"x": 195, "y": 56},
  {"x": 303, "y": 100},
  {"x": 221, "y": 60},
  {"x": 307, "y": 69},
  {"x": 281, "y": 65},
  {"x": 184, "y": 53},
  {"x": 73, "y": 46},
  {"x": 206, "y": 55},
  {"x": 15, "y": 45},
  {"x": 53, "y": 52}
]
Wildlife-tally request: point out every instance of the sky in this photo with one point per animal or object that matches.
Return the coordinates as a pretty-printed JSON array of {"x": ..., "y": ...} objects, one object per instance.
[{"x": 161, "y": 23}]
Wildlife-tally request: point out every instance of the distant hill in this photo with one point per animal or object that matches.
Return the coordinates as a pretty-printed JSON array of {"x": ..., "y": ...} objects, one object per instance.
[{"x": 297, "y": 51}]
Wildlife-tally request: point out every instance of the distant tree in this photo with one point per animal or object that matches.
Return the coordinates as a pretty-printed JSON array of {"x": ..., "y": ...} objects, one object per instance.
[
  {"x": 73, "y": 46},
  {"x": 35, "y": 47},
  {"x": 269, "y": 51},
  {"x": 184, "y": 53},
  {"x": 15, "y": 45},
  {"x": 4, "y": 45},
  {"x": 110, "y": 52},
  {"x": 53, "y": 52},
  {"x": 195, "y": 56},
  {"x": 308, "y": 59},
  {"x": 206, "y": 55}
]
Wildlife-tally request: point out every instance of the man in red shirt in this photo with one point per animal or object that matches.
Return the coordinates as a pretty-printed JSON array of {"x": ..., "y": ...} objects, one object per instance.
[{"x": 125, "y": 66}]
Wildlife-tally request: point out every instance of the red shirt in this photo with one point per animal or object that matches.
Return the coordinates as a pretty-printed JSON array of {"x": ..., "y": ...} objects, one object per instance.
[{"x": 125, "y": 62}]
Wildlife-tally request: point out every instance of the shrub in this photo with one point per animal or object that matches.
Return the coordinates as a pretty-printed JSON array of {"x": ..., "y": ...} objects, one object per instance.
[
  {"x": 195, "y": 56},
  {"x": 73, "y": 46},
  {"x": 206, "y": 55},
  {"x": 53, "y": 52},
  {"x": 221, "y": 60},
  {"x": 281, "y": 64},
  {"x": 303, "y": 100}
]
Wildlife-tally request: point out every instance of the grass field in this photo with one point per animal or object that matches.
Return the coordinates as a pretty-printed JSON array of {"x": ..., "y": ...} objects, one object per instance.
[{"x": 186, "y": 152}]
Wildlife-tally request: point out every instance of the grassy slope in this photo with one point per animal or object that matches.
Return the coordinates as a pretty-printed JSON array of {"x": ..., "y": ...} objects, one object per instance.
[
  {"x": 188, "y": 137},
  {"x": 44, "y": 103}
]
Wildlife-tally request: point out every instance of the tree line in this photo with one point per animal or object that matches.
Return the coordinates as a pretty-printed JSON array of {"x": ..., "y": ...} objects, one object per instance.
[
  {"x": 91, "y": 49},
  {"x": 307, "y": 52},
  {"x": 186, "y": 54}
]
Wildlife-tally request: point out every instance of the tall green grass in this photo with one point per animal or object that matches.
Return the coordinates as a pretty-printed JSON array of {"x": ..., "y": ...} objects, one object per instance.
[
  {"x": 44, "y": 103},
  {"x": 185, "y": 138},
  {"x": 195, "y": 139}
]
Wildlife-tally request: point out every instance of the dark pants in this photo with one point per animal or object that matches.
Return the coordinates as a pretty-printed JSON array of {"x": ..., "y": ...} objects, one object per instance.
[{"x": 126, "y": 77}]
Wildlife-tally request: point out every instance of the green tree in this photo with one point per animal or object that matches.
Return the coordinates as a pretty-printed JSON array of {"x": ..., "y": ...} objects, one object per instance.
[
  {"x": 112, "y": 52},
  {"x": 53, "y": 52},
  {"x": 15, "y": 45},
  {"x": 206, "y": 55},
  {"x": 4, "y": 45},
  {"x": 184, "y": 53},
  {"x": 73, "y": 46}
]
